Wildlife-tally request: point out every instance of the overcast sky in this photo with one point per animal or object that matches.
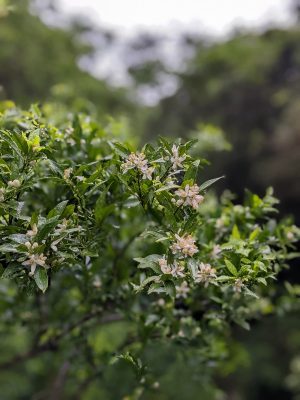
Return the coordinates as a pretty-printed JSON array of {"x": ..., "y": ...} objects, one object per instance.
[
  {"x": 210, "y": 16},
  {"x": 214, "y": 18}
]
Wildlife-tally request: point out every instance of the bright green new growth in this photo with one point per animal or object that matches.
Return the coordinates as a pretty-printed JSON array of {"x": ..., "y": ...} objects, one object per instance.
[{"x": 110, "y": 234}]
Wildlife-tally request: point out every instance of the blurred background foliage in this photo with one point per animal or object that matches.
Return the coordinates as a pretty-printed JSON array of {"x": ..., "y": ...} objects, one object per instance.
[{"x": 241, "y": 98}]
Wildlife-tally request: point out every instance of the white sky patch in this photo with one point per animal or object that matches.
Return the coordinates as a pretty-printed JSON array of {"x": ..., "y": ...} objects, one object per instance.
[
  {"x": 215, "y": 17},
  {"x": 170, "y": 18}
]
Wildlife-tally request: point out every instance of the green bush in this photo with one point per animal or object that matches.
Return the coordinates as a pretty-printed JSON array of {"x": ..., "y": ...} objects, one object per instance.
[{"x": 107, "y": 252}]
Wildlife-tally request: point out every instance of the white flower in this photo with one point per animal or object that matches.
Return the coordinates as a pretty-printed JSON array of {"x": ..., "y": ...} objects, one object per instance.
[
  {"x": 182, "y": 290},
  {"x": 189, "y": 196},
  {"x": 147, "y": 172},
  {"x": 161, "y": 302},
  {"x": 184, "y": 245},
  {"x": 15, "y": 183},
  {"x": 33, "y": 261},
  {"x": 2, "y": 191},
  {"x": 238, "y": 285},
  {"x": 67, "y": 173},
  {"x": 80, "y": 178},
  {"x": 216, "y": 251},
  {"x": 61, "y": 227},
  {"x": 206, "y": 273},
  {"x": 177, "y": 270},
  {"x": 139, "y": 161},
  {"x": 33, "y": 231},
  {"x": 290, "y": 236},
  {"x": 97, "y": 283},
  {"x": 177, "y": 160},
  {"x": 165, "y": 268}
]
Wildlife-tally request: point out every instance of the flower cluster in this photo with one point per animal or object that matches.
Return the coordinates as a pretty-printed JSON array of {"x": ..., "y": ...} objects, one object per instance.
[
  {"x": 176, "y": 269},
  {"x": 184, "y": 245},
  {"x": 176, "y": 159},
  {"x": 139, "y": 161},
  {"x": 189, "y": 196},
  {"x": 34, "y": 260},
  {"x": 206, "y": 273}
]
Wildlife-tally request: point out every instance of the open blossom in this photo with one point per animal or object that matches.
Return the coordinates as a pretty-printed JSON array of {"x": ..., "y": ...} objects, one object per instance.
[
  {"x": 206, "y": 273},
  {"x": 33, "y": 231},
  {"x": 176, "y": 159},
  {"x": 165, "y": 268},
  {"x": 67, "y": 173},
  {"x": 61, "y": 227},
  {"x": 2, "y": 191},
  {"x": 177, "y": 270},
  {"x": 189, "y": 196},
  {"x": 33, "y": 261},
  {"x": 184, "y": 245},
  {"x": 15, "y": 183},
  {"x": 182, "y": 290},
  {"x": 238, "y": 285},
  {"x": 139, "y": 161},
  {"x": 215, "y": 253}
]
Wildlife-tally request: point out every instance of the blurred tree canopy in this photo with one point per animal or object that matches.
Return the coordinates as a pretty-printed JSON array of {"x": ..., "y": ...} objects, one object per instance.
[
  {"x": 249, "y": 86},
  {"x": 39, "y": 63}
]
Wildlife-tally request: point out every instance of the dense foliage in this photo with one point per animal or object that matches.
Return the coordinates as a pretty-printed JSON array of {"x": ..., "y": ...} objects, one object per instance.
[{"x": 94, "y": 232}]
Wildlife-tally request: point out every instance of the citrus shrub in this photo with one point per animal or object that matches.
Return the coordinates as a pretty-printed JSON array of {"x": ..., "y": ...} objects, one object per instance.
[{"x": 95, "y": 233}]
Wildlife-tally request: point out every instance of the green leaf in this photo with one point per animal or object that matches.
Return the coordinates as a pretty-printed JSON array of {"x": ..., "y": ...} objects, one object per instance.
[
  {"x": 250, "y": 293},
  {"x": 191, "y": 173},
  {"x": 210, "y": 182},
  {"x": 231, "y": 268},
  {"x": 58, "y": 209},
  {"x": 41, "y": 279},
  {"x": 254, "y": 234},
  {"x": 170, "y": 289},
  {"x": 120, "y": 149},
  {"x": 235, "y": 234},
  {"x": 12, "y": 271}
]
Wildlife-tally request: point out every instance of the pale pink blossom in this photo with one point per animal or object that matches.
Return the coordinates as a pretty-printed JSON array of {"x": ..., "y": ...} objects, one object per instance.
[
  {"x": 216, "y": 251},
  {"x": 33, "y": 261},
  {"x": 206, "y": 274},
  {"x": 165, "y": 268},
  {"x": 189, "y": 196},
  {"x": 182, "y": 290},
  {"x": 177, "y": 270},
  {"x": 238, "y": 285},
  {"x": 139, "y": 161},
  {"x": 176, "y": 159},
  {"x": 184, "y": 245}
]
